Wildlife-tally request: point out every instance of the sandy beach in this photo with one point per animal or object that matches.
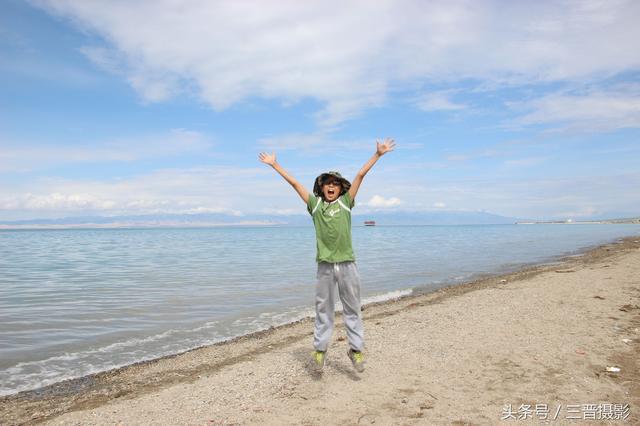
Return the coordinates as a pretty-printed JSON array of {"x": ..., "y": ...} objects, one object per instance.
[{"x": 528, "y": 347}]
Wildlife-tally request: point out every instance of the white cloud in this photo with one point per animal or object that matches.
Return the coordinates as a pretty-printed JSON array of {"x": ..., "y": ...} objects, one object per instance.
[
  {"x": 583, "y": 212},
  {"x": 17, "y": 158},
  {"x": 598, "y": 110},
  {"x": 231, "y": 190},
  {"x": 313, "y": 142},
  {"x": 439, "y": 101},
  {"x": 237, "y": 190},
  {"x": 57, "y": 201},
  {"x": 379, "y": 201},
  {"x": 458, "y": 157},
  {"x": 548, "y": 195},
  {"x": 281, "y": 212},
  {"x": 524, "y": 162},
  {"x": 348, "y": 55},
  {"x": 545, "y": 197}
]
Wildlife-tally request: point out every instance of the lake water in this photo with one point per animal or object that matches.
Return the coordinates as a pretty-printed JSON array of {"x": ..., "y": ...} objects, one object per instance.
[{"x": 74, "y": 302}]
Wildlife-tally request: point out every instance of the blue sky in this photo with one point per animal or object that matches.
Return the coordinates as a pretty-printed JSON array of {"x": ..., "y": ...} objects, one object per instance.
[{"x": 522, "y": 109}]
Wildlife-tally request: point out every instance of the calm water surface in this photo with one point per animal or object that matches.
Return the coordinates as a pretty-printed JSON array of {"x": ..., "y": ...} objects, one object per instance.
[{"x": 73, "y": 302}]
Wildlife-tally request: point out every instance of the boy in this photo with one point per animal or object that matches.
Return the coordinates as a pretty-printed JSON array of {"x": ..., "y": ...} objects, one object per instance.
[{"x": 330, "y": 207}]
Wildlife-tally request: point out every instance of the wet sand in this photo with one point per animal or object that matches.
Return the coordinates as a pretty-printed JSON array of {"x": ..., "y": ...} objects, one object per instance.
[{"x": 461, "y": 355}]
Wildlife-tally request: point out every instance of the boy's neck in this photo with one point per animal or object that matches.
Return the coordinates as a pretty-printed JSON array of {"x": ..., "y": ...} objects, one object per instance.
[{"x": 330, "y": 202}]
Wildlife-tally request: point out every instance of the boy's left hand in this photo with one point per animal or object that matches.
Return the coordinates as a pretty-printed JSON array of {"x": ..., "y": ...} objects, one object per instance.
[{"x": 384, "y": 147}]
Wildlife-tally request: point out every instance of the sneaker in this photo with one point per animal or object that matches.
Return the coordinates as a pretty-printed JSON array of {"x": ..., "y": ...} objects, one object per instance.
[
  {"x": 319, "y": 359},
  {"x": 357, "y": 359}
]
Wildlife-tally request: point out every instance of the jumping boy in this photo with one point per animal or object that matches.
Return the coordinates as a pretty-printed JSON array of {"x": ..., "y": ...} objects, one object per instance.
[{"x": 330, "y": 207}]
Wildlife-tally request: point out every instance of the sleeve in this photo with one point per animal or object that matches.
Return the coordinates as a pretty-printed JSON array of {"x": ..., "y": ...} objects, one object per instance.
[
  {"x": 311, "y": 203},
  {"x": 348, "y": 201}
]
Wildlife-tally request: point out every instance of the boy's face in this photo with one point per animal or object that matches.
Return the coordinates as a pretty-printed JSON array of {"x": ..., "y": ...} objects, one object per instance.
[{"x": 331, "y": 189}]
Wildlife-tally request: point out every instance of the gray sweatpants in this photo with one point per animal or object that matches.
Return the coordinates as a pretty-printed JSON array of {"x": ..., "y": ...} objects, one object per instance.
[{"x": 345, "y": 276}]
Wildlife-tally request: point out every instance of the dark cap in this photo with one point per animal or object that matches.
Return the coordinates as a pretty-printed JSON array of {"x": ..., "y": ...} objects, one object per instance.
[{"x": 320, "y": 180}]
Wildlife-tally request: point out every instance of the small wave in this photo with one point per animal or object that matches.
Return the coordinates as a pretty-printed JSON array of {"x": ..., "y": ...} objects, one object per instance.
[
  {"x": 71, "y": 365},
  {"x": 387, "y": 296},
  {"x": 35, "y": 374},
  {"x": 267, "y": 320},
  {"x": 461, "y": 277}
]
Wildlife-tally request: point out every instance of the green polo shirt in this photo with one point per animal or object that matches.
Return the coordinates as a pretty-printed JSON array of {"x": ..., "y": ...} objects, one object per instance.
[{"x": 333, "y": 228}]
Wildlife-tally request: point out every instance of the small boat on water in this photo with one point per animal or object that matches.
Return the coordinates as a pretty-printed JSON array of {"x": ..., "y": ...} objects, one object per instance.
[{"x": 369, "y": 223}]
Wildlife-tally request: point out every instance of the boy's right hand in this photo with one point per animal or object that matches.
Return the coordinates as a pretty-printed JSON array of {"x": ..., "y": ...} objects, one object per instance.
[
  {"x": 267, "y": 158},
  {"x": 270, "y": 159}
]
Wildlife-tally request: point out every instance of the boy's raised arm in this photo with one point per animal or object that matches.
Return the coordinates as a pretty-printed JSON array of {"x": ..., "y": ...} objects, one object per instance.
[
  {"x": 381, "y": 148},
  {"x": 270, "y": 159}
]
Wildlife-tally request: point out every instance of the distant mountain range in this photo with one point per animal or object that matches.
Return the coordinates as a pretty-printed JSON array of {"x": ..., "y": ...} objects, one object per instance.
[
  {"x": 569, "y": 221},
  {"x": 221, "y": 219}
]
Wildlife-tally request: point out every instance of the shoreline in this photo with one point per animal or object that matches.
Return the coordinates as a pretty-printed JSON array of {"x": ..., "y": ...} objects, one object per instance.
[
  {"x": 298, "y": 313},
  {"x": 147, "y": 377},
  {"x": 306, "y": 313},
  {"x": 271, "y": 224}
]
